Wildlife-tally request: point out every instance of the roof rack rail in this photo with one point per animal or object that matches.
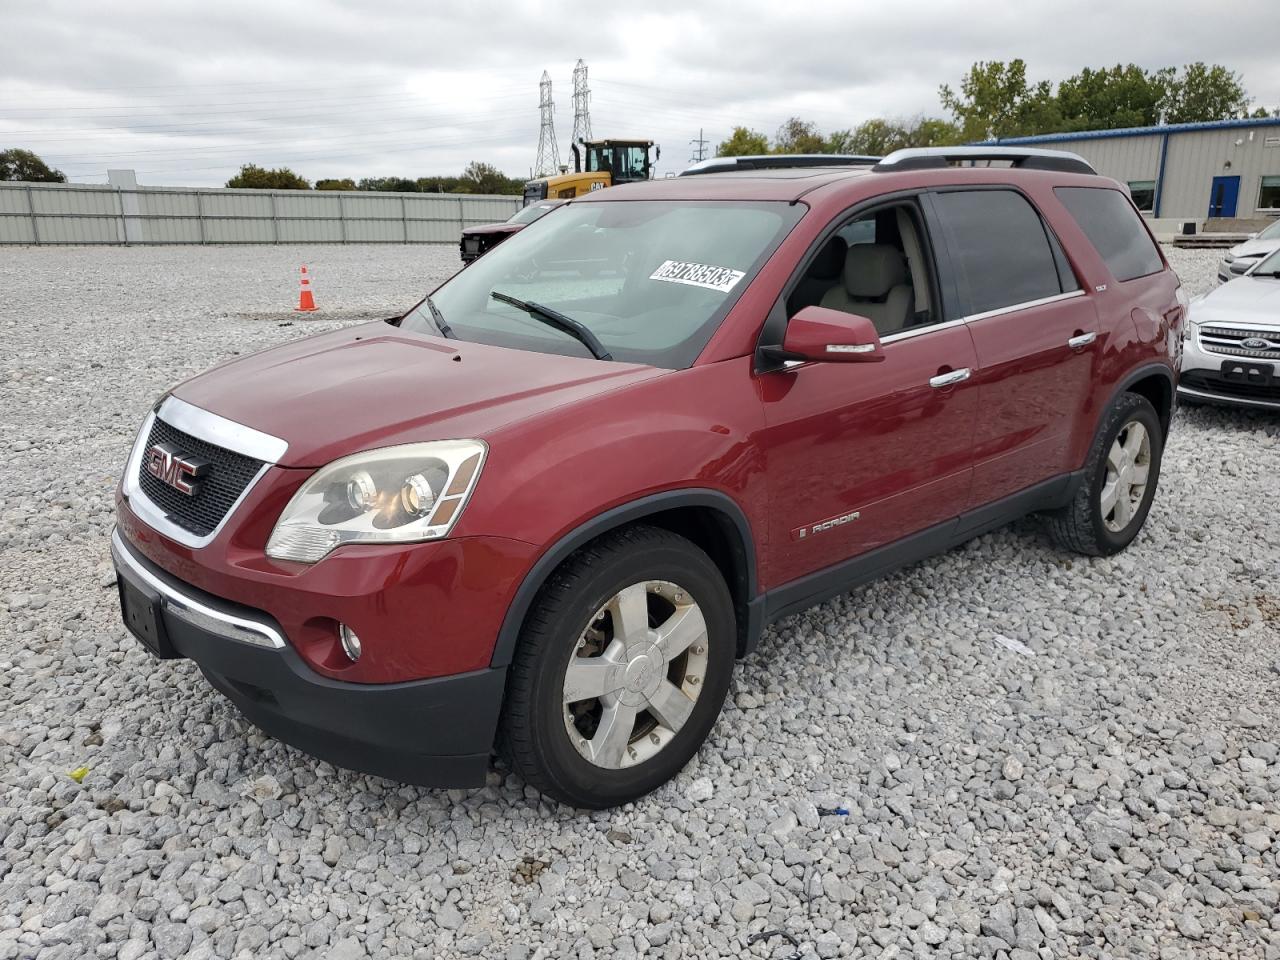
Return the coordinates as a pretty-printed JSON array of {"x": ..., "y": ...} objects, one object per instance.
[
  {"x": 778, "y": 161},
  {"x": 1027, "y": 158}
]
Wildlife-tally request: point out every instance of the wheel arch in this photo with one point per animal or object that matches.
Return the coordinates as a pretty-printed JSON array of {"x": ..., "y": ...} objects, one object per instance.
[
  {"x": 712, "y": 520},
  {"x": 1156, "y": 383}
]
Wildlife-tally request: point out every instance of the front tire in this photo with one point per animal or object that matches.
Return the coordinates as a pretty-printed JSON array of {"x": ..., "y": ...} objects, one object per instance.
[
  {"x": 1120, "y": 478},
  {"x": 621, "y": 670}
]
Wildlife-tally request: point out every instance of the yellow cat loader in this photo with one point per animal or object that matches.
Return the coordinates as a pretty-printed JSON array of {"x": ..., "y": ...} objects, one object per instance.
[{"x": 607, "y": 164}]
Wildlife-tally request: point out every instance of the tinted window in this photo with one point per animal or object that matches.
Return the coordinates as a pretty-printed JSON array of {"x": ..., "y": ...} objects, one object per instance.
[
  {"x": 1114, "y": 228},
  {"x": 1144, "y": 194},
  {"x": 999, "y": 247}
]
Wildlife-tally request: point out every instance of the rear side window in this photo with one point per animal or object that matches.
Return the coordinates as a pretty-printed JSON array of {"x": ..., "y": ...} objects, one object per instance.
[
  {"x": 1001, "y": 249},
  {"x": 1114, "y": 228}
]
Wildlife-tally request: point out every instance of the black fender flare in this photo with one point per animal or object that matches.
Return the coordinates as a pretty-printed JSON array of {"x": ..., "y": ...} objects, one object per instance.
[
  {"x": 1122, "y": 386},
  {"x": 630, "y": 512},
  {"x": 1132, "y": 377}
]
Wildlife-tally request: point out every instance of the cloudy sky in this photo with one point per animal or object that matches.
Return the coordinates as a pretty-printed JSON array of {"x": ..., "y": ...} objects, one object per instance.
[{"x": 185, "y": 93}]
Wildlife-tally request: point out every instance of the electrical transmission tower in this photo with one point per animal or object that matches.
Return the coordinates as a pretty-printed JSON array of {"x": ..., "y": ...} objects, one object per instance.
[
  {"x": 581, "y": 104},
  {"x": 548, "y": 153},
  {"x": 700, "y": 148}
]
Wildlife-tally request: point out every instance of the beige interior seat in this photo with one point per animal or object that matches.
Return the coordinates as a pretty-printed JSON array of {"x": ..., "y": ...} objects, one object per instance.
[
  {"x": 914, "y": 253},
  {"x": 876, "y": 285},
  {"x": 823, "y": 274}
]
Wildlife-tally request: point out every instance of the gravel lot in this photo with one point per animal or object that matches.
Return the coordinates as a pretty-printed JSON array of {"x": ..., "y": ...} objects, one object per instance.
[{"x": 1104, "y": 785}]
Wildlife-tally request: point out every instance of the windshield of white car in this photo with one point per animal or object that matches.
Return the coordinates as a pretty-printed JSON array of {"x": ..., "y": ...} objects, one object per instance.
[
  {"x": 650, "y": 279},
  {"x": 532, "y": 212},
  {"x": 1270, "y": 267},
  {"x": 1271, "y": 233}
]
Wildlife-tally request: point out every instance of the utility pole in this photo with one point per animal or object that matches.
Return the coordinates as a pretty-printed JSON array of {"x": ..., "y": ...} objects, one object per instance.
[
  {"x": 581, "y": 104},
  {"x": 548, "y": 162},
  {"x": 699, "y": 144}
]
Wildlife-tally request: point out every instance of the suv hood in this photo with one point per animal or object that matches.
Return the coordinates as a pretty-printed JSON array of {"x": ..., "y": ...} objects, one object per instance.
[
  {"x": 1242, "y": 301},
  {"x": 373, "y": 385}
]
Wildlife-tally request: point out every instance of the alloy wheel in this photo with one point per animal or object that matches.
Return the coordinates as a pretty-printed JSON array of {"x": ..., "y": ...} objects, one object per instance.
[
  {"x": 1128, "y": 466},
  {"x": 635, "y": 675}
]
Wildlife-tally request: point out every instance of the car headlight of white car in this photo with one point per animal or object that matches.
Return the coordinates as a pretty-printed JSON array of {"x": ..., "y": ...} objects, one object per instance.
[{"x": 401, "y": 494}]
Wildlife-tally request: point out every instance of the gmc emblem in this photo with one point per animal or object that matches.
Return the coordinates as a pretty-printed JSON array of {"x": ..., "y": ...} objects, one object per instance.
[{"x": 179, "y": 470}]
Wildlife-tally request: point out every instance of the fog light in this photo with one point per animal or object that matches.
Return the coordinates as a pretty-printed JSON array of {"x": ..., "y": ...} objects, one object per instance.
[{"x": 350, "y": 642}]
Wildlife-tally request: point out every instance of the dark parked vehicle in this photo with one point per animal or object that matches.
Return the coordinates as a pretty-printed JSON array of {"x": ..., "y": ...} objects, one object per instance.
[
  {"x": 545, "y": 510},
  {"x": 478, "y": 240}
]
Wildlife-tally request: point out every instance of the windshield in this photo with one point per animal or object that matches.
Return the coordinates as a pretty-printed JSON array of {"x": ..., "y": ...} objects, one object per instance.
[
  {"x": 623, "y": 162},
  {"x": 651, "y": 279},
  {"x": 1270, "y": 267},
  {"x": 532, "y": 212},
  {"x": 1271, "y": 233}
]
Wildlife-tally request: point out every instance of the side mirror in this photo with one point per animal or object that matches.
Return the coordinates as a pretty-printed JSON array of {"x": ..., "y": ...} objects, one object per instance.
[{"x": 823, "y": 335}]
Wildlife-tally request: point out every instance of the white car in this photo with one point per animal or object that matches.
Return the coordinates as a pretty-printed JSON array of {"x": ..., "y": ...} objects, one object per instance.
[
  {"x": 1245, "y": 255},
  {"x": 1231, "y": 351}
]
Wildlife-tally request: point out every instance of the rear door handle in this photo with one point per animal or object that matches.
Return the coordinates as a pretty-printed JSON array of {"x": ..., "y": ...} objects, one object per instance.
[
  {"x": 1082, "y": 340},
  {"x": 950, "y": 379}
]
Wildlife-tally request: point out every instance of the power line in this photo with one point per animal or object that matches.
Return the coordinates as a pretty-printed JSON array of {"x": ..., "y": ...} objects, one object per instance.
[
  {"x": 548, "y": 162},
  {"x": 581, "y": 104},
  {"x": 700, "y": 148}
]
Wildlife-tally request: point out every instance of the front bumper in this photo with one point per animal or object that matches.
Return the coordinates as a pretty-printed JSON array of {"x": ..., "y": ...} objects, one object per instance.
[
  {"x": 1203, "y": 378},
  {"x": 436, "y": 732}
]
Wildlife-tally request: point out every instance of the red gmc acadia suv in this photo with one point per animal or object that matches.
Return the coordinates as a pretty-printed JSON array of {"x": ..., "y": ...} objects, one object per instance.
[{"x": 544, "y": 511}]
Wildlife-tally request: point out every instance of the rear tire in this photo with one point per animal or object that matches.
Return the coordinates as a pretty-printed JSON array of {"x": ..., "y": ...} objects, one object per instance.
[
  {"x": 645, "y": 622},
  {"x": 1120, "y": 478}
]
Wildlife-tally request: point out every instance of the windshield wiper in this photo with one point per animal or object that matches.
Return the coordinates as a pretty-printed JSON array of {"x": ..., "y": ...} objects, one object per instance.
[
  {"x": 438, "y": 317},
  {"x": 554, "y": 318}
]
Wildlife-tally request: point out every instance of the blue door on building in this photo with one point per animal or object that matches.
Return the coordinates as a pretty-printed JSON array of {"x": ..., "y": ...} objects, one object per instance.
[{"x": 1223, "y": 197}]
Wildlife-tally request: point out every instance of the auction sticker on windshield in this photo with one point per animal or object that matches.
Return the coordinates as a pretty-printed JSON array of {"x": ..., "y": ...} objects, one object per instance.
[{"x": 697, "y": 275}]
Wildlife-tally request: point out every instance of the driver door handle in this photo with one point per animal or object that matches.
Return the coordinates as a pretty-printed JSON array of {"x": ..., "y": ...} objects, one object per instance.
[
  {"x": 949, "y": 379},
  {"x": 1082, "y": 340}
]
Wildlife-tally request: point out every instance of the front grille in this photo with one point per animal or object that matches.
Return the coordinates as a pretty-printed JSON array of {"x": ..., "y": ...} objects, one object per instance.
[
  {"x": 1227, "y": 340},
  {"x": 1210, "y": 382},
  {"x": 229, "y": 474}
]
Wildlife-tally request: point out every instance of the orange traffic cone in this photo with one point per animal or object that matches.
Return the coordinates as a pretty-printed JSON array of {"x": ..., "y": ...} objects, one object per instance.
[{"x": 306, "y": 302}]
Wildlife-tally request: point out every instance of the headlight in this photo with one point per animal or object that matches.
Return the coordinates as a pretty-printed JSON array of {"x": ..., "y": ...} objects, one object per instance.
[{"x": 401, "y": 494}]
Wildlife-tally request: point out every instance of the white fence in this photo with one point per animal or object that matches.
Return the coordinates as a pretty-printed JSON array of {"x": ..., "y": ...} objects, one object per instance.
[{"x": 52, "y": 213}]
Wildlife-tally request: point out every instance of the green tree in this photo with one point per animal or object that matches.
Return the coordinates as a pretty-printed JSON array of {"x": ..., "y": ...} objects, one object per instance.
[
  {"x": 932, "y": 132},
  {"x": 485, "y": 178},
  {"x": 875, "y": 137},
  {"x": 1108, "y": 98},
  {"x": 253, "y": 177},
  {"x": 18, "y": 164},
  {"x": 1204, "y": 92},
  {"x": 388, "y": 184},
  {"x": 995, "y": 100},
  {"x": 346, "y": 183},
  {"x": 799, "y": 136},
  {"x": 743, "y": 143}
]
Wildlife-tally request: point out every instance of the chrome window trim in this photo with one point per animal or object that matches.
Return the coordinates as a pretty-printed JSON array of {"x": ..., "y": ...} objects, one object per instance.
[
  {"x": 211, "y": 428},
  {"x": 975, "y": 317},
  {"x": 1025, "y": 305},
  {"x": 195, "y": 612},
  {"x": 918, "y": 331}
]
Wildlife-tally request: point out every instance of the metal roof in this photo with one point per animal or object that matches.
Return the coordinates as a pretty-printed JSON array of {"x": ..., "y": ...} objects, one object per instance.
[{"x": 1141, "y": 131}]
